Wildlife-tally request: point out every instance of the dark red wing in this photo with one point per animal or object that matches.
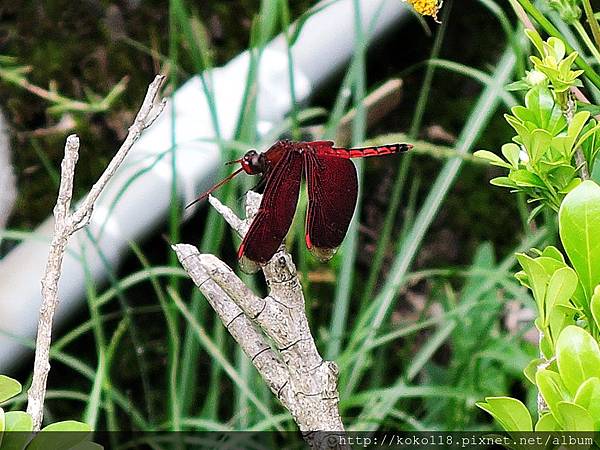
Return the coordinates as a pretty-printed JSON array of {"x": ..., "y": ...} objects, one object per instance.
[
  {"x": 275, "y": 214},
  {"x": 332, "y": 193},
  {"x": 327, "y": 148}
]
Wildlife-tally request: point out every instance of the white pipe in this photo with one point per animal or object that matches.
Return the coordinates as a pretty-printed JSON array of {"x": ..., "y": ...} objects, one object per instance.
[
  {"x": 8, "y": 190},
  {"x": 324, "y": 45}
]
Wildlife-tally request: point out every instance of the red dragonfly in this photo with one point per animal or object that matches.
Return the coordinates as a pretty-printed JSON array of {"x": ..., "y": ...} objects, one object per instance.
[{"x": 332, "y": 192}]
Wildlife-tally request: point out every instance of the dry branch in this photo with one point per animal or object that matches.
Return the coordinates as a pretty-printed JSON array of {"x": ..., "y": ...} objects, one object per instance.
[
  {"x": 67, "y": 223},
  {"x": 273, "y": 331}
]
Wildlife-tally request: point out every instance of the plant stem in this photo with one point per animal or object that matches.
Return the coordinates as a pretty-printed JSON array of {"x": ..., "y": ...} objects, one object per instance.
[
  {"x": 62, "y": 103},
  {"x": 542, "y": 406},
  {"x": 569, "y": 107},
  {"x": 589, "y": 12},
  {"x": 586, "y": 39}
]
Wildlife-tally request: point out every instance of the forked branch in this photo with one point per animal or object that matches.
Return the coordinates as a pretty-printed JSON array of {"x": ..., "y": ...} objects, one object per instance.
[
  {"x": 67, "y": 223},
  {"x": 273, "y": 331}
]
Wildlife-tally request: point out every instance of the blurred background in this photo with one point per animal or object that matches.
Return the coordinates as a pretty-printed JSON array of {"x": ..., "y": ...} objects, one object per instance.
[{"x": 419, "y": 309}]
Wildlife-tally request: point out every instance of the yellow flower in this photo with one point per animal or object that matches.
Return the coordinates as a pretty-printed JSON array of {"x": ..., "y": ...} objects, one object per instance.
[{"x": 427, "y": 7}]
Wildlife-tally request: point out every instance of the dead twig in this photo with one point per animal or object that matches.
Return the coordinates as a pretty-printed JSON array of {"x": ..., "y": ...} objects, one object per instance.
[{"x": 67, "y": 223}]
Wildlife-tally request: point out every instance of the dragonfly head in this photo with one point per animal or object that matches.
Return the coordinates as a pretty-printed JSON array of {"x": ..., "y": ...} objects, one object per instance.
[{"x": 253, "y": 162}]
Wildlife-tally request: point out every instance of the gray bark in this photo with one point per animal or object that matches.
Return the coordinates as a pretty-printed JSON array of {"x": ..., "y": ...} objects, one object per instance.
[{"x": 273, "y": 331}]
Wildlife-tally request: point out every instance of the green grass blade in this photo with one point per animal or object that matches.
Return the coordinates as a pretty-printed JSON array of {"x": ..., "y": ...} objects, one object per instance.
[
  {"x": 399, "y": 183},
  {"x": 381, "y": 408},
  {"x": 474, "y": 126},
  {"x": 341, "y": 301},
  {"x": 172, "y": 337},
  {"x": 511, "y": 35},
  {"x": 470, "y": 72},
  {"x": 218, "y": 357}
]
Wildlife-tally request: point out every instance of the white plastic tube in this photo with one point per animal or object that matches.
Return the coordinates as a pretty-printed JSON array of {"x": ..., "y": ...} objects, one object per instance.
[
  {"x": 8, "y": 192},
  {"x": 138, "y": 198}
]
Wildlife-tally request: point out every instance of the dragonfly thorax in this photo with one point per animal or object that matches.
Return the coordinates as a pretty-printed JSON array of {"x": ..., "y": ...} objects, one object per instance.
[{"x": 253, "y": 162}]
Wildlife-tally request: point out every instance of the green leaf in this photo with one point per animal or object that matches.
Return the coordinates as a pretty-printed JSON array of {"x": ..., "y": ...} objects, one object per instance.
[
  {"x": 536, "y": 40},
  {"x": 588, "y": 131},
  {"x": 588, "y": 397},
  {"x": 570, "y": 186},
  {"x": 558, "y": 48},
  {"x": 579, "y": 226},
  {"x": 579, "y": 297},
  {"x": 546, "y": 344},
  {"x": 554, "y": 253},
  {"x": 524, "y": 114},
  {"x": 547, "y": 423},
  {"x": 18, "y": 421},
  {"x": 565, "y": 144},
  {"x": 577, "y": 356},
  {"x": 8, "y": 388},
  {"x": 511, "y": 153},
  {"x": 492, "y": 158},
  {"x": 561, "y": 287},
  {"x": 589, "y": 141},
  {"x": 595, "y": 306},
  {"x": 575, "y": 127},
  {"x": 559, "y": 318},
  {"x": 540, "y": 144},
  {"x": 573, "y": 417},
  {"x": 68, "y": 425},
  {"x": 532, "y": 369},
  {"x": 537, "y": 277},
  {"x": 509, "y": 412},
  {"x": 564, "y": 68},
  {"x": 550, "y": 265},
  {"x": 524, "y": 178},
  {"x": 503, "y": 182},
  {"x": 61, "y": 436},
  {"x": 522, "y": 278},
  {"x": 19, "y": 425},
  {"x": 522, "y": 130},
  {"x": 548, "y": 115},
  {"x": 534, "y": 212},
  {"x": 589, "y": 107},
  {"x": 551, "y": 387},
  {"x": 561, "y": 175},
  {"x": 521, "y": 85}
]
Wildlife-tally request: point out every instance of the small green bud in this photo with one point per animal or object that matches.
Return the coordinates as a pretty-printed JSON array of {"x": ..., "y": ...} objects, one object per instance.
[{"x": 568, "y": 9}]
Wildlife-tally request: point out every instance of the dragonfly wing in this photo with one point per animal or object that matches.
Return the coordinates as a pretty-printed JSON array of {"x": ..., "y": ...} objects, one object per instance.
[
  {"x": 332, "y": 193},
  {"x": 275, "y": 215}
]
